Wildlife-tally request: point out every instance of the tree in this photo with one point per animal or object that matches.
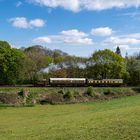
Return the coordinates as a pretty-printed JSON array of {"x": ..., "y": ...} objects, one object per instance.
[
  {"x": 106, "y": 64},
  {"x": 36, "y": 60},
  {"x": 133, "y": 67},
  {"x": 11, "y": 64},
  {"x": 118, "y": 51}
]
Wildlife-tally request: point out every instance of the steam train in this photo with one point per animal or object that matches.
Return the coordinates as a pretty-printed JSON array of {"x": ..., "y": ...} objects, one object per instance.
[{"x": 77, "y": 82}]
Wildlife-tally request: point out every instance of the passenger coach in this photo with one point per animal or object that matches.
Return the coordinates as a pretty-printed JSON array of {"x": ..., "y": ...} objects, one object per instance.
[{"x": 67, "y": 81}]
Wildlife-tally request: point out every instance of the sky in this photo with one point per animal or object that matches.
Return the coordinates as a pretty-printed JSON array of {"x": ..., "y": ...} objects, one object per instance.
[{"x": 78, "y": 27}]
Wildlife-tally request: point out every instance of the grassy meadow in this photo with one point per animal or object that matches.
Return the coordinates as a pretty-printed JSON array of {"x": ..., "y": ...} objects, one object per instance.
[{"x": 116, "y": 119}]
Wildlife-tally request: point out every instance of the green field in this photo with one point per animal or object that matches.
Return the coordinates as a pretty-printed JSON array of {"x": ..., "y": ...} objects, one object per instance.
[{"x": 117, "y": 119}]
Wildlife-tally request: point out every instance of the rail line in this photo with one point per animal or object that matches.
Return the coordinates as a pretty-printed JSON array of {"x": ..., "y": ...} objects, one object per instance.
[{"x": 68, "y": 86}]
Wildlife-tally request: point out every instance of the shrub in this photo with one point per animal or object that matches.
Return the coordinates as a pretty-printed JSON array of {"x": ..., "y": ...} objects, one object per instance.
[
  {"x": 89, "y": 91},
  {"x": 96, "y": 94},
  {"x": 61, "y": 91},
  {"x": 67, "y": 95},
  {"x": 75, "y": 92},
  {"x": 109, "y": 92},
  {"x": 29, "y": 99}
]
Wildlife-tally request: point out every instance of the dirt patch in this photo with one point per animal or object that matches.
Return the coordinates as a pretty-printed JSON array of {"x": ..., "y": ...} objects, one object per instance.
[
  {"x": 10, "y": 98},
  {"x": 61, "y": 99}
]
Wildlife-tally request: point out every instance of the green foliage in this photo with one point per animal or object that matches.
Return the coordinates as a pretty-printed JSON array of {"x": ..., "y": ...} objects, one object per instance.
[
  {"x": 29, "y": 99},
  {"x": 89, "y": 91},
  {"x": 76, "y": 92},
  {"x": 61, "y": 91},
  {"x": 133, "y": 67},
  {"x": 68, "y": 95},
  {"x": 11, "y": 64},
  {"x": 108, "y": 92},
  {"x": 107, "y": 64}
]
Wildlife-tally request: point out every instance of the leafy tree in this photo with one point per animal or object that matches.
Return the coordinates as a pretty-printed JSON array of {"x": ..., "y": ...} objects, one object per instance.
[
  {"x": 61, "y": 73},
  {"x": 106, "y": 64},
  {"x": 36, "y": 60},
  {"x": 11, "y": 64},
  {"x": 133, "y": 67}
]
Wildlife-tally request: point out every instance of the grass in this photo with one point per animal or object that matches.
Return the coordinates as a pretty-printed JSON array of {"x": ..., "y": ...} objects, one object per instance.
[
  {"x": 57, "y": 89},
  {"x": 117, "y": 119}
]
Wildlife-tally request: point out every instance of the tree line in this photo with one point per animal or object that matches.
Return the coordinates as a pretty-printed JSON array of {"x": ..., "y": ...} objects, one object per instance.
[{"x": 26, "y": 65}]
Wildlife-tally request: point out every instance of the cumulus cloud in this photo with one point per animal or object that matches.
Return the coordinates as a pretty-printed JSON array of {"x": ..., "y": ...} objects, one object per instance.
[
  {"x": 73, "y": 32},
  {"x": 43, "y": 39},
  {"x": 75, "y": 37},
  {"x": 102, "y": 31},
  {"x": 22, "y": 22},
  {"x": 72, "y": 5},
  {"x": 37, "y": 23},
  {"x": 122, "y": 41},
  {"x": 77, "y": 5},
  {"x": 72, "y": 37}
]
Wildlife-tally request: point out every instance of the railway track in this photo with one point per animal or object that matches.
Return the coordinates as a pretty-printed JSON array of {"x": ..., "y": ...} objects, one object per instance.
[{"x": 31, "y": 86}]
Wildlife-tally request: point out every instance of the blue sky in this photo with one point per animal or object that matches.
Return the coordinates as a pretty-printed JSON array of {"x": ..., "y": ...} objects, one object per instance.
[{"x": 78, "y": 27}]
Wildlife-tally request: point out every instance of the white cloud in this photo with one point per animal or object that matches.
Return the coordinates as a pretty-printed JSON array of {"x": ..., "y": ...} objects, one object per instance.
[
  {"x": 134, "y": 35},
  {"x": 102, "y": 31},
  {"x": 37, "y": 23},
  {"x": 19, "y": 22},
  {"x": 126, "y": 47},
  {"x": 72, "y": 5},
  {"x": 78, "y": 41},
  {"x": 75, "y": 37},
  {"x": 108, "y": 4},
  {"x": 76, "y": 5},
  {"x": 72, "y": 37},
  {"x": 122, "y": 41},
  {"x": 22, "y": 22},
  {"x": 43, "y": 39},
  {"x": 73, "y": 32}
]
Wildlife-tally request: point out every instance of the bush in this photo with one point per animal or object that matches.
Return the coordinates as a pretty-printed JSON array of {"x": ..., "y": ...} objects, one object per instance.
[
  {"x": 29, "y": 99},
  {"x": 61, "y": 91},
  {"x": 109, "y": 92},
  {"x": 75, "y": 93},
  {"x": 68, "y": 95},
  {"x": 96, "y": 94},
  {"x": 89, "y": 91}
]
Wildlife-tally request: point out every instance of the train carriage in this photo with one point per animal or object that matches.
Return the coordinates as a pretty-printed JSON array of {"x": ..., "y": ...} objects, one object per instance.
[
  {"x": 67, "y": 81},
  {"x": 105, "y": 82}
]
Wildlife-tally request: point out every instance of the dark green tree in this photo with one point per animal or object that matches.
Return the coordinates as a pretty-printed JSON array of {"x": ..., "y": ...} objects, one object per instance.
[
  {"x": 11, "y": 64},
  {"x": 118, "y": 51},
  {"x": 133, "y": 67}
]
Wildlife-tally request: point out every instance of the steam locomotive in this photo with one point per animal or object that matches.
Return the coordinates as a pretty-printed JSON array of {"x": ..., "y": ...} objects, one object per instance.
[{"x": 76, "y": 82}]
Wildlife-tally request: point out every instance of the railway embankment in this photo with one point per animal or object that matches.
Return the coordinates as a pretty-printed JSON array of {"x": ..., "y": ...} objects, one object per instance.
[{"x": 19, "y": 96}]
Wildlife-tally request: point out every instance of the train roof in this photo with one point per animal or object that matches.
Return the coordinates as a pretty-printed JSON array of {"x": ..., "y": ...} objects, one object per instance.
[
  {"x": 104, "y": 79},
  {"x": 81, "y": 79}
]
